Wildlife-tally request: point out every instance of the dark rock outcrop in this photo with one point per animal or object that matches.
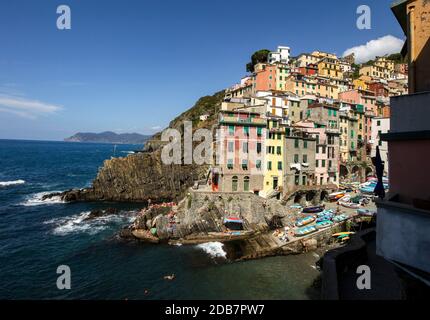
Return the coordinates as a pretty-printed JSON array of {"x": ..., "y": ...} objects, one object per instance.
[{"x": 101, "y": 213}]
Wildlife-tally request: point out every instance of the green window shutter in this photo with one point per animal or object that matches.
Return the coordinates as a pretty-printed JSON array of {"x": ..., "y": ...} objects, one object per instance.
[{"x": 231, "y": 130}]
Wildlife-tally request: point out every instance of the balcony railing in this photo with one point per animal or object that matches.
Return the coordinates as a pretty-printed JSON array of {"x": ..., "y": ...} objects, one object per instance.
[{"x": 238, "y": 120}]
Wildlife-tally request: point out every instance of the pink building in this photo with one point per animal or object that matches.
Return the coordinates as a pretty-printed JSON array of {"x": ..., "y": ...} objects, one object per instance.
[
  {"x": 240, "y": 151},
  {"x": 327, "y": 156}
]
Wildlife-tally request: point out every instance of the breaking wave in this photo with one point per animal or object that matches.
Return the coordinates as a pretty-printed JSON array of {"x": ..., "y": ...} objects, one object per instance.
[
  {"x": 128, "y": 152},
  {"x": 214, "y": 249},
  {"x": 11, "y": 183},
  {"x": 37, "y": 199},
  {"x": 78, "y": 223}
]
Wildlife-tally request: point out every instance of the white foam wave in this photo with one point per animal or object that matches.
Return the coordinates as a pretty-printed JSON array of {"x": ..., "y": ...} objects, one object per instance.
[
  {"x": 214, "y": 249},
  {"x": 128, "y": 152},
  {"x": 37, "y": 199},
  {"x": 11, "y": 183},
  {"x": 78, "y": 223}
]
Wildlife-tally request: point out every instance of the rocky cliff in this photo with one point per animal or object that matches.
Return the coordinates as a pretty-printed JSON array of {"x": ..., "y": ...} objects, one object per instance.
[
  {"x": 204, "y": 212},
  {"x": 142, "y": 176}
]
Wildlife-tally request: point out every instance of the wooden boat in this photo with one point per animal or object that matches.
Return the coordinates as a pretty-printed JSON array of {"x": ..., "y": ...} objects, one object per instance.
[
  {"x": 324, "y": 224},
  {"x": 336, "y": 196},
  {"x": 301, "y": 232},
  {"x": 305, "y": 221},
  {"x": 314, "y": 209},
  {"x": 341, "y": 233},
  {"x": 349, "y": 205}
]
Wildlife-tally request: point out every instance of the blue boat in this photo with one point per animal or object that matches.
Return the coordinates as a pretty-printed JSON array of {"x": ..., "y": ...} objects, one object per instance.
[
  {"x": 305, "y": 231},
  {"x": 340, "y": 218},
  {"x": 369, "y": 187},
  {"x": 305, "y": 221},
  {"x": 323, "y": 224}
]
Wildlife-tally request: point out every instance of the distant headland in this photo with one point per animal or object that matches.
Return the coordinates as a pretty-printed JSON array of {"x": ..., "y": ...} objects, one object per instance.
[{"x": 108, "y": 137}]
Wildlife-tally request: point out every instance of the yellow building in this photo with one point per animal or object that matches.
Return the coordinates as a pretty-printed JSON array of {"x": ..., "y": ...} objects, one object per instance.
[
  {"x": 375, "y": 72},
  {"x": 312, "y": 86},
  {"x": 330, "y": 68},
  {"x": 322, "y": 55},
  {"x": 273, "y": 174},
  {"x": 305, "y": 59},
  {"x": 361, "y": 83},
  {"x": 383, "y": 62}
]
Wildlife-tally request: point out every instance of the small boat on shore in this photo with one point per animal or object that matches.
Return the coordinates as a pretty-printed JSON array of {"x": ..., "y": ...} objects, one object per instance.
[
  {"x": 314, "y": 209},
  {"x": 340, "y": 218},
  {"x": 323, "y": 224},
  {"x": 305, "y": 221},
  {"x": 342, "y": 234},
  {"x": 349, "y": 205},
  {"x": 301, "y": 232},
  {"x": 336, "y": 196}
]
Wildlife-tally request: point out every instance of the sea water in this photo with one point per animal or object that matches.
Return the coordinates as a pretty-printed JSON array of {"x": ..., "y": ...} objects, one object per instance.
[{"x": 37, "y": 236}]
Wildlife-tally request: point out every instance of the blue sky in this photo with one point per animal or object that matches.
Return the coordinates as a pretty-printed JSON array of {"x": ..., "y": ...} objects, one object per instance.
[{"x": 131, "y": 66}]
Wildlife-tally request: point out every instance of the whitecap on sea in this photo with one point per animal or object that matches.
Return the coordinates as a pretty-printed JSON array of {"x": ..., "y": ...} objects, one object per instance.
[
  {"x": 79, "y": 223},
  {"x": 214, "y": 249},
  {"x": 11, "y": 183},
  {"x": 37, "y": 199}
]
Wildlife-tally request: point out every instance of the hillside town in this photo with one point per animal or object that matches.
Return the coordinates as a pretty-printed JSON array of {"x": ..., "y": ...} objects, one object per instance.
[{"x": 305, "y": 122}]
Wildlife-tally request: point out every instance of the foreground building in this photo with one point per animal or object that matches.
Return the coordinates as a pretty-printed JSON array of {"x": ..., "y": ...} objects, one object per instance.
[{"x": 403, "y": 236}]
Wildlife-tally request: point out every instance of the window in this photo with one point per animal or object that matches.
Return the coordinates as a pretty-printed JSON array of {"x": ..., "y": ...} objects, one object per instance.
[
  {"x": 304, "y": 180},
  {"x": 329, "y": 164},
  {"x": 230, "y": 164},
  {"x": 296, "y": 158},
  {"x": 378, "y": 123},
  {"x": 246, "y": 184},
  {"x": 296, "y": 143},
  {"x": 305, "y": 144},
  {"x": 323, "y": 163},
  {"x": 245, "y": 164},
  {"x": 269, "y": 165},
  {"x": 316, "y": 163},
  {"x": 279, "y": 136},
  {"x": 245, "y": 147},
  {"x": 234, "y": 184},
  {"x": 279, "y": 165},
  {"x": 258, "y": 147},
  {"x": 259, "y": 132},
  {"x": 246, "y": 131},
  {"x": 258, "y": 164},
  {"x": 296, "y": 179},
  {"x": 305, "y": 158},
  {"x": 231, "y": 130},
  {"x": 231, "y": 146},
  {"x": 278, "y": 151}
]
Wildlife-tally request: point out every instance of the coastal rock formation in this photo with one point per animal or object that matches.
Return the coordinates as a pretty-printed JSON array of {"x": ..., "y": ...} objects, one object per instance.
[
  {"x": 138, "y": 177},
  {"x": 203, "y": 212}
]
